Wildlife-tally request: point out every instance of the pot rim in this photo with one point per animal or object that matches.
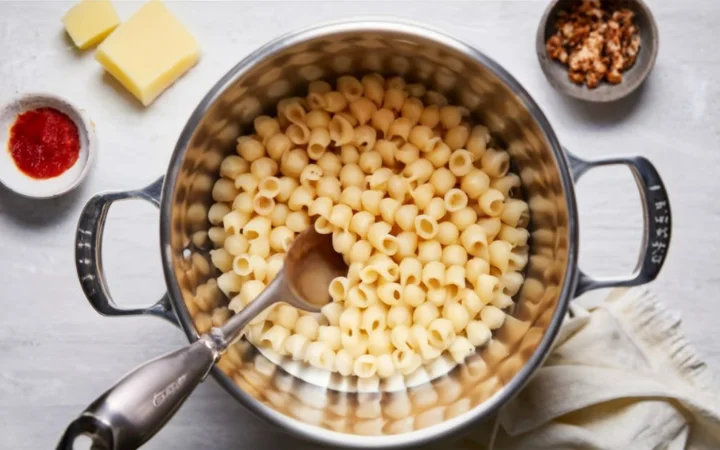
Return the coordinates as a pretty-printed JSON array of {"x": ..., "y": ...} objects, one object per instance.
[{"x": 447, "y": 427}]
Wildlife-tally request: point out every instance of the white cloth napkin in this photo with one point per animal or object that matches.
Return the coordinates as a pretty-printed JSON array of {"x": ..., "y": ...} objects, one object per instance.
[{"x": 621, "y": 376}]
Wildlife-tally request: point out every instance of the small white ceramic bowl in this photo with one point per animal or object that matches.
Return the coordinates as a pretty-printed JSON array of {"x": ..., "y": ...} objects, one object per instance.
[{"x": 17, "y": 181}]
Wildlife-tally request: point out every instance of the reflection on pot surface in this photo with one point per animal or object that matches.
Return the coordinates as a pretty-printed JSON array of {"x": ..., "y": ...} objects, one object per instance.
[{"x": 436, "y": 392}]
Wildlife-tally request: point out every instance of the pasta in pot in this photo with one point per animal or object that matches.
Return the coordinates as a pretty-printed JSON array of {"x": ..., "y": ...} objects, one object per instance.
[{"x": 421, "y": 203}]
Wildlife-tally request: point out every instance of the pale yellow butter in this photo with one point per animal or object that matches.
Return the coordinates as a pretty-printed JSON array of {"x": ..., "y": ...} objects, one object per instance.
[
  {"x": 90, "y": 21},
  {"x": 149, "y": 52}
]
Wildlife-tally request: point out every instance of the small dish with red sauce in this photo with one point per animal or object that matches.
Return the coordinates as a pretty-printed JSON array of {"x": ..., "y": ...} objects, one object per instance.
[{"x": 47, "y": 146}]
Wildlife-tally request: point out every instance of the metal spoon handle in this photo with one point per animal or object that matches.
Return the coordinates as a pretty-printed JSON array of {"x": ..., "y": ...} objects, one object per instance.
[
  {"x": 141, "y": 403},
  {"x": 138, "y": 406},
  {"x": 232, "y": 330}
]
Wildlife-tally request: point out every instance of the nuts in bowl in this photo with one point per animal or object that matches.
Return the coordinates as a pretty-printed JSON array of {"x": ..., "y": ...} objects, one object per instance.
[
  {"x": 597, "y": 43},
  {"x": 597, "y": 50}
]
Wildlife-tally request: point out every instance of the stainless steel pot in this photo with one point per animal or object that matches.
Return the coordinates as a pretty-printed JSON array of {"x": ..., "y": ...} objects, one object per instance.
[{"x": 439, "y": 399}]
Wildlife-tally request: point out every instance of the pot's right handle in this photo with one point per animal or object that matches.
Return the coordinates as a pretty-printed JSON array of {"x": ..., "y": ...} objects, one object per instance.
[
  {"x": 88, "y": 254},
  {"x": 658, "y": 221}
]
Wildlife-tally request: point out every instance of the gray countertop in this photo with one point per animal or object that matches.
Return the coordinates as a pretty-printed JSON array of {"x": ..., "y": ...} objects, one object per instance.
[{"x": 57, "y": 354}]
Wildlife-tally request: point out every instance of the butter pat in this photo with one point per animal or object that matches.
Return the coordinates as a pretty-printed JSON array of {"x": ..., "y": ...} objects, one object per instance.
[
  {"x": 149, "y": 52},
  {"x": 90, "y": 21}
]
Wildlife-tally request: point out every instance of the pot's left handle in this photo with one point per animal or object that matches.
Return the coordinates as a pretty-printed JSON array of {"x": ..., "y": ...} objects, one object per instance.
[{"x": 88, "y": 254}]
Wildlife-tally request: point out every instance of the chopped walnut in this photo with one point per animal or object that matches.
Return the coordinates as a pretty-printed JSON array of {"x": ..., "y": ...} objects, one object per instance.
[
  {"x": 596, "y": 40},
  {"x": 632, "y": 49},
  {"x": 592, "y": 9},
  {"x": 577, "y": 77},
  {"x": 554, "y": 47}
]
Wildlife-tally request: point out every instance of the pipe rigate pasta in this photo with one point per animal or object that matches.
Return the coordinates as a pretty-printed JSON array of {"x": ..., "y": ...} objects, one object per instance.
[
  {"x": 407, "y": 153},
  {"x": 456, "y": 137},
  {"x": 329, "y": 186},
  {"x": 436, "y": 209},
  {"x": 430, "y": 116},
  {"x": 236, "y": 244},
  {"x": 461, "y": 162},
  {"x": 420, "y": 201},
  {"x": 232, "y": 166},
  {"x": 263, "y": 167},
  {"x": 439, "y": 154},
  {"x": 330, "y": 164}
]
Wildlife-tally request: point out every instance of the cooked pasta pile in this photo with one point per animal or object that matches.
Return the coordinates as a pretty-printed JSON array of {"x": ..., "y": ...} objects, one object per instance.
[{"x": 419, "y": 205}]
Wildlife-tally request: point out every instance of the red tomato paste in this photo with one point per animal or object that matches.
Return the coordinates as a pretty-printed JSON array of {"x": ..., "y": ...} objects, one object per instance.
[{"x": 44, "y": 143}]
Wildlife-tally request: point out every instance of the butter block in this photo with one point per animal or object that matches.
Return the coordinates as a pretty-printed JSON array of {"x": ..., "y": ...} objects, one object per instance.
[
  {"x": 149, "y": 52},
  {"x": 90, "y": 21}
]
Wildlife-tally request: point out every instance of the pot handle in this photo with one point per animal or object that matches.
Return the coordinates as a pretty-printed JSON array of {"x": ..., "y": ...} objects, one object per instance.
[
  {"x": 658, "y": 221},
  {"x": 88, "y": 254}
]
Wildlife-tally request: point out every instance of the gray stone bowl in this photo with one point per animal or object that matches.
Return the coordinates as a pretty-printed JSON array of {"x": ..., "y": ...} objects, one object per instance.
[{"x": 557, "y": 73}]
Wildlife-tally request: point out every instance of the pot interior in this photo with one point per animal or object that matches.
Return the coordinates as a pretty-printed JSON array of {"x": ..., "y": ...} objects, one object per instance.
[{"x": 443, "y": 396}]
